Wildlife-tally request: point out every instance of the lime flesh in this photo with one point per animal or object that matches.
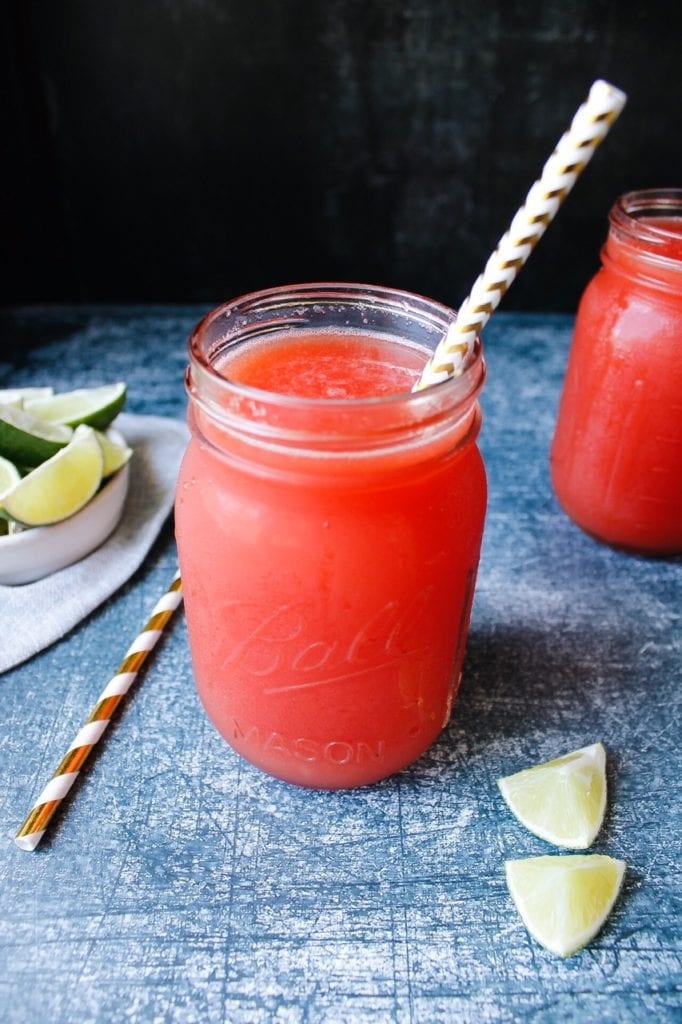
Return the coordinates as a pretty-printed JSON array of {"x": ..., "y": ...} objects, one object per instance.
[
  {"x": 60, "y": 487},
  {"x": 564, "y": 900},
  {"x": 115, "y": 455},
  {"x": 95, "y": 406},
  {"x": 28, "y": 441},
  {"x": 10, "y": 395},
  {"x": 562, "y": 801},
  {"x": 9, "y": 475}
]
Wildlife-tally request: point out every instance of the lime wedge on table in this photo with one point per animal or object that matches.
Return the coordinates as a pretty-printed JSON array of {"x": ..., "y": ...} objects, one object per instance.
[
  {"x": 115, "y": 455},
  {"x": 562, "y": 801},
  {"x": 28, "y": 441},
  {"x": 11, "y": 395},
  {"x": 94, "y": 406},
  {"x": 9, "y": 475},
  {"x": 59, "y": 487},
  {"x": 564, "y": 901}
]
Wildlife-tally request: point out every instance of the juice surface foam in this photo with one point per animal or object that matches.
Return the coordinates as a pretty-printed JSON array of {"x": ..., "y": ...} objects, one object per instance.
[{"x": 326, "y": 364}]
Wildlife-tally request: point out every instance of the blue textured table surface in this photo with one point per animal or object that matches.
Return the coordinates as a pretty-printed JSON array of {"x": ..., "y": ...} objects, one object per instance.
[{"x": 180, "y": 884}]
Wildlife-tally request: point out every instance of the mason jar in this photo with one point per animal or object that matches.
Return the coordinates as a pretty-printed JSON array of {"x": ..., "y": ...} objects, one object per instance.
[
  {"x": 329, "y": 525},
  {"x": 616, "y": 458}
]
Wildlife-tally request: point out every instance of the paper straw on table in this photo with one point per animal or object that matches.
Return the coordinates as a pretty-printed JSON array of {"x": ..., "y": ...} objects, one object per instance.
[
  {"x": 33, "y": 829},
  {"x": 590, "y": 125}
]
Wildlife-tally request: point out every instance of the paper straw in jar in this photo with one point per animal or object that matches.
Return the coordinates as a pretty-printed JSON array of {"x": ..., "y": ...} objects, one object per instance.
[
  {"x": 590, "y": 125},
  {"x": 35, "y": 825}
]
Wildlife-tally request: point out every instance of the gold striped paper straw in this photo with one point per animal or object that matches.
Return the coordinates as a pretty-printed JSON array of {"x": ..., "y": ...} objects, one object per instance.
[
  {"x": 40, "y": 815},
  {"x": 590, "y": 125}
]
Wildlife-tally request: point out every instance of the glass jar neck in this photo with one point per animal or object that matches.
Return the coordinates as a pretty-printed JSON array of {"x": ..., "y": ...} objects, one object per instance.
[
  {"x": 226, "y": 412},
  {"x": 645, "y": 237}
]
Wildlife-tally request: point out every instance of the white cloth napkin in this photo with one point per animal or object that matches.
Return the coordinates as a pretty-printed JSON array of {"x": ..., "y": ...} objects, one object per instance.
[{"x": 35, "y": 615}]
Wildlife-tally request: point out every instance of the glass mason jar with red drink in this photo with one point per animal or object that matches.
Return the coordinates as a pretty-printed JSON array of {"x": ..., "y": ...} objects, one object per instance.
[
  {"x": 329, "y": 524},
  {"x": 616, "y": 458}
]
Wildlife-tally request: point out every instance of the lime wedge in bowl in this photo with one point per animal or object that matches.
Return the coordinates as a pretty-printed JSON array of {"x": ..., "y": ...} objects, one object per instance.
[
  {"x": 564, "y": 900},
  {"x": 9, "y": 475},
  {"x": 97, "y": 407},
  {"x": 60, "y": 486},
  {"x": 27, "y": 440},
  {"x": 11, "y": 395},
  {"x": 115, "y": 453},
  {"x": 34, "y": 553}
]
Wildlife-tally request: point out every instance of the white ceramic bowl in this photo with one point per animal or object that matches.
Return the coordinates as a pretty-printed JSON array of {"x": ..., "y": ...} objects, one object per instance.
[{"x": 32, "y": 554}]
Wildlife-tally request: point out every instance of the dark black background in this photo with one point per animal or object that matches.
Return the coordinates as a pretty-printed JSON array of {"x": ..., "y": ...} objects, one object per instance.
[{"x": 190, "y": 150}]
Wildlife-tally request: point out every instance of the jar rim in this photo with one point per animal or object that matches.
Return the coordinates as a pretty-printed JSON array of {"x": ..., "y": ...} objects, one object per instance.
[
  {"x": 627, "y": 213},
  {"x": 204, "y": 374}
]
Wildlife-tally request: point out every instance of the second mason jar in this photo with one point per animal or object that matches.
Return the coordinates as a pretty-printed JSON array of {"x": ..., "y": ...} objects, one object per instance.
[
  {"x": 617, "y": 451},
  {"x": 329, "y": 525}
]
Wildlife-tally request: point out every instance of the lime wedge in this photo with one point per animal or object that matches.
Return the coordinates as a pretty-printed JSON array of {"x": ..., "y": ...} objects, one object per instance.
[
  {"x": 564, "y": 901},
  {"x": 59, "y": 487},
  {"x": 115, "y": 455},
  {"x": 562, "y": 801},
  {"x": 10, "y": 395},
  {"x": 94, "y": 406},
  {"x": 28, "y": 441},
  {"x": 9, "y": 475}
]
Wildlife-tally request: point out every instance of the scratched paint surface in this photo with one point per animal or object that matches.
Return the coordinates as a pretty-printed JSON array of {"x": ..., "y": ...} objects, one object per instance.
[{"x": 182, "y": 885}]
